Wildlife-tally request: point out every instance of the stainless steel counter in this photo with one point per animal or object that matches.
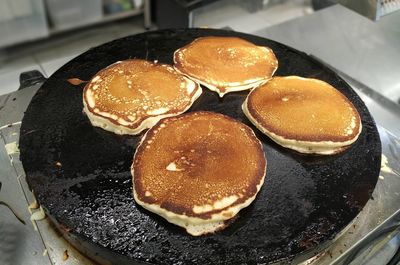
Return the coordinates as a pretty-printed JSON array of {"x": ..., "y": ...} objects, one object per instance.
[{"x": 24, "y": 244}]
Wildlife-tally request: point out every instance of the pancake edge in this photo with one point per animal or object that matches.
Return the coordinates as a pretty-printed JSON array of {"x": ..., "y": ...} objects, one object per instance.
[
  {"x": 106, "y": 124},
  {"x": 196, "y": 226},
  {"x": 228, "y": 89},
  {"x": 306, "y": 147}
]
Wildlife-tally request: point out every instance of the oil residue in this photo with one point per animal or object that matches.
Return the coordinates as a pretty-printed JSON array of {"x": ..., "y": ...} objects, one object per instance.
[{"x": 384, "y": 165}]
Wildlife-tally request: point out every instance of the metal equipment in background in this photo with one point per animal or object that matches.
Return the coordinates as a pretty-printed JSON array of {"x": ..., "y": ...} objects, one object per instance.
[{"x": 373, "y": 9}]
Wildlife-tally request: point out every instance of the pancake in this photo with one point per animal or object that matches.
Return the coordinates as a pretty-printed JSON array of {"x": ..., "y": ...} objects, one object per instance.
[
  {"x": 306, "y": 115},
  {"x": 198, "y": 170},
  {"x": 226, "y": 64},
  {"x": 130, "y": 96}
]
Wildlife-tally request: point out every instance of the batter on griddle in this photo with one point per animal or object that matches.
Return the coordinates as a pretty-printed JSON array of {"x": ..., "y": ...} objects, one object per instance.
[
  {"x": 226, "y": 64},
  {"x": 130, "y": 96},
  {"x": 304, "y": 114},
  {"x": 198, "y": 170}
]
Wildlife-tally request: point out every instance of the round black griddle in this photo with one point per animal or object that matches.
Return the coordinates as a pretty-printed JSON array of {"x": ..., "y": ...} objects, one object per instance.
[{"x": 80, "y": 174}]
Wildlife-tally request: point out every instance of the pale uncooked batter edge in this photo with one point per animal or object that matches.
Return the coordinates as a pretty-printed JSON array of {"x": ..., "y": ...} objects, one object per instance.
[
  {"x": 149, "y": 122},
  {"x": 308, "y": 147}
]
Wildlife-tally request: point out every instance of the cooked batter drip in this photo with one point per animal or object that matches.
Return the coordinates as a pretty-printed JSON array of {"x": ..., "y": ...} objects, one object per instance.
[{"x": 76, "y": 81}]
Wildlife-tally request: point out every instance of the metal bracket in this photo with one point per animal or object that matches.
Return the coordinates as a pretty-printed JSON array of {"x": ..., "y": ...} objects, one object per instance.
[{"x": 30, "y": 78}]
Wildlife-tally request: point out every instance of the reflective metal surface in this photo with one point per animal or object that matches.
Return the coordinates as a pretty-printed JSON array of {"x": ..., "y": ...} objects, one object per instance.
[
  {"x": 365, "y": 8},
  {"x": 19, "y": 243},
  {"x": 373, "y": 9},
  {"x": 22, "y": 244}
]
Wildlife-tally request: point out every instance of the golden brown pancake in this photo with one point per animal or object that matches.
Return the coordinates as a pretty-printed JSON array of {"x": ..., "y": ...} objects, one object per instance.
[
  {"x": 197, "y": 170},
  {"x": 226, "y": 64},
  {"x": 307, "y": 115},
  {"x": 130, "y": 96}
]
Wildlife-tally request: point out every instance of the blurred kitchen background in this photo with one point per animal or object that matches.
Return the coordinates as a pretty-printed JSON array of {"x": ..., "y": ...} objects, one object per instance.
[
  {"x": 45, "y": 34},
  {"x": 358, "y": 38}
]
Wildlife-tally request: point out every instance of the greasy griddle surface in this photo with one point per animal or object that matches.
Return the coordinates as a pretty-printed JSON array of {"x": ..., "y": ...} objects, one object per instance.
[{"x": 80, "y": 174}]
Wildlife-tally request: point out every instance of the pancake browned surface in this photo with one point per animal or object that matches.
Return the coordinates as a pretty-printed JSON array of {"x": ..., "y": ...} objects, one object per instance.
[
  {"x": 307, "y": 115},
  {"x": 226, "y": 64},
  {"x": 198, "y": 170},
  {"x": 130, "y": 96}
]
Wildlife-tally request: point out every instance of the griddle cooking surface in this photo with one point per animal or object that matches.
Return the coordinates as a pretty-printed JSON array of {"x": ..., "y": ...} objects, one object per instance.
[{"x": 81, "y": 174}]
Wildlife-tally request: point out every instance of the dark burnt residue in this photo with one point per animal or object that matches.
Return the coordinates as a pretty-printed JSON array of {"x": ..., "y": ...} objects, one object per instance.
[
  {"x": 303, "y": 202},
  {"x": 314, "y": 234}
]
